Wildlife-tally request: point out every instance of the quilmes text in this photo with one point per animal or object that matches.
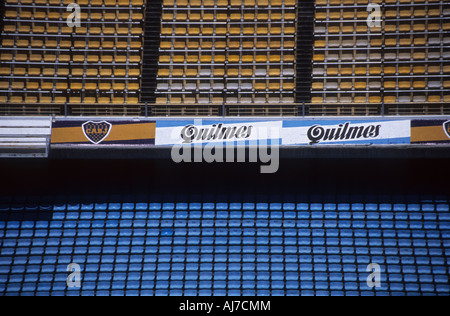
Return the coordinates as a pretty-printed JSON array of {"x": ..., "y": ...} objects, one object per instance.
[
  {"x": 191, "y": 133},
  {"x": 343, "y": 132},
  {"x": 236, "y": 143}
]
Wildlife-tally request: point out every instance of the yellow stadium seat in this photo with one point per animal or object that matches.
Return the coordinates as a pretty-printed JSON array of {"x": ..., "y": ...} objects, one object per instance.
[
  {"x": 9, "y": 28},
  {"x": 18, "y": 85},
  {"x": 161, "y": 100},
  {"x": 105, "y": 86},
  {"x": 191, "y": 72},
  {"x": 392, "y": 85},
  {"x": 16, "y": 99},
  {"x": 11, "y": 14},
  {"x": 5, "y": 71},
  {"x": 233, "y": 58},
  {"x": 316, "y": 100},
  {"x": 262, "y": 44},
  {"x": 317, "y": 86},
  {"x": 39, "y": 43},
  {"x": 346, "y": 85},
  {"x": 192, "y": 31},
  {"x": 419, "y": 85},
  {"x": 219, "y": 72},
  {"x": 104, "y": 100},
  {"x": 390, "y": 99},
  {"x": 133, "y": 86},
  {"x": 131, "y": 100},
  {"x": 60, "y": 100},
  {"x": 404, "y": 84},
  {"x": 192, "y": 59},
  {"x": 434, "y": 98},
  {"x": 51, "y": 58},
  {"x": 360, "y": 85},
  {"x": 31, "y": 99},
  {"x": 62, "y": 72},
  {"x": 8, "y": 43},
  {"x": 134, "y": 72},
  {"x": 105, "y": 72},
  {"x": 91, "y": 72},
  {"x": 320, "y": 43},
  {"x": 404, "y": 70}
]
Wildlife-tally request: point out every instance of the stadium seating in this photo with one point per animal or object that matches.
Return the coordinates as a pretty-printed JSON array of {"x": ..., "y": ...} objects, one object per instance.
[
  {"x": 243, "y": 49},
  {"x": 409, "y": 36},
  {"x": 38, "y": 40},
  {"x": 223, "y": 247},
  {"x": 228, "y": 51}
]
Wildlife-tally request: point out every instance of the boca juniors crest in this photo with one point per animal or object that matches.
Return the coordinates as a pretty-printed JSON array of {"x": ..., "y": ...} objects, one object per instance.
[
  {"x": 447, "y": 128},
  {"x": 96, "y": 132}
]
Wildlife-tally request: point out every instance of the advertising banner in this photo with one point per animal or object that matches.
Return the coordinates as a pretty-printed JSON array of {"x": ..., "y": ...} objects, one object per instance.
[
  {"x": 345, "y": 132},
  {"x": 216, "y": 131},
  {"x": 430, "y": 131},
  {"x": 287, "y": 132},
  {"x": 284, "y": 132},
  {"x": 103, "y": 132}
]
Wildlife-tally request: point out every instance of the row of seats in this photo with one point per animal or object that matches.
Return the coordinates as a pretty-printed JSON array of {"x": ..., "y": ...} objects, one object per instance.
[
  {"x": 223, "y": 30},
  {"x": 321, "y": 3},
  {"x": 433, "y": 97},
  {"x": 62, "y": 85},
  {"x": 61, "y": 72},
  {"x": 61, "y": 29},
  {"x": 226, "y": 3},
  {"x": 246, "y": 73},
  {"x": 93, "y": 3},
  {"x": 79, "y": 43},
  {"x": 247, "y": 85},
  {"x": 354, "y": 27},
  {"x": 433, "y": 55},
  {"x": 53, "y": 16},
  {"x": 130, "y": 210},
  {"x": 401, "y": 84},
  {"x": 61, "y": 58},
  {"x": 387, "y": 69},
  {"x": 375, "y": 42},
  {"x": 223, "y": 16},
  {"x": 246, "y": 58},
  {"x": 359, "y": 14},
  {"x": 58, "y": 99},
  {"x": 417, "y": 97},
  {"x": 255, "y": 98},
  {"x": 221, "y": 44}
]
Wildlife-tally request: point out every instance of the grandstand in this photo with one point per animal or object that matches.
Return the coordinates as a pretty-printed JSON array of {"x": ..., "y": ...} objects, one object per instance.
[
  {"x": 355, "y": 94},
  {"x": 225, "y": 57}
]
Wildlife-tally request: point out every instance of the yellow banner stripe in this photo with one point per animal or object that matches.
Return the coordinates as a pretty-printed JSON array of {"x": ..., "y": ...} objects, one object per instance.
[
  {"x": 118, "y": 133},
  {"x": 428, "y": 133}
]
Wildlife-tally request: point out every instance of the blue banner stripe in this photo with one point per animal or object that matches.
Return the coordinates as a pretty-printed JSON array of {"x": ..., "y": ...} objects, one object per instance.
[
  {"x": 389, "y": 141},
  {"x": 287, "y": 124}
]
